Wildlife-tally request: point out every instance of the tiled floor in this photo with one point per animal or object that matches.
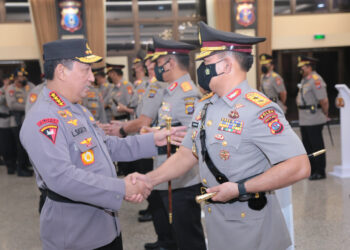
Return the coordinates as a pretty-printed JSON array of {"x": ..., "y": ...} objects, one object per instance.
[{"x": 321, "y": 212}]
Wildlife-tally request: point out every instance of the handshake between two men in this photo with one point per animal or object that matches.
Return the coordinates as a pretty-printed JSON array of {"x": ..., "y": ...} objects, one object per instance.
[{"x": 138, "y": 187}]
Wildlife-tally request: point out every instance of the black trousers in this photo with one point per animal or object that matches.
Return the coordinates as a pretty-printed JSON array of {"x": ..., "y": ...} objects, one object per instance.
[
  {"x": 22, "y": 156},
  {"x": 116, "y": 244},
  {"x": 8, "y": 147},
  {"x": 313, "y": 141},
  {"x": 186, "y": 231}
]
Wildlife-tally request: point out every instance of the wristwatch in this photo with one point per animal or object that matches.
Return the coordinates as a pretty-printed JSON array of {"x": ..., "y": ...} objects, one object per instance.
[
  {"x": 243, "y": 195},
  {"x": 122, "y": 132}
]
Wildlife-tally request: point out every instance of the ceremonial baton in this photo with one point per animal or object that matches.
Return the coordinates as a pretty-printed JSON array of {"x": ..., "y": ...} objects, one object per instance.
[
  {"x": 207, "y": 196},
  {"x": 168, "y": 127},
  {"x": 330, "y": 133}
]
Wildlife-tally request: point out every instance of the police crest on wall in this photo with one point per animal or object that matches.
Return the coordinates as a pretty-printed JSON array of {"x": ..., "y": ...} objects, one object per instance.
[
  {"x": 244, "y": 12},
  {"x": 70, "y": 17}
]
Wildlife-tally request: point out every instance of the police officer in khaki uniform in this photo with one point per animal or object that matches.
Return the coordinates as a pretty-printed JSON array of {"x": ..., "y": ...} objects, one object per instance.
[
  {"x": 73, "y": 157},
  {"x": 245, "y": 149},
  {"x": 7, "y": 139},
  {"x": 172, "y": 63},
  {"x": 16, "y": 96},
  {"x": 101, "y": 82},
  {"x": 313, "y": 106},
  {"x": 272, "y": 84},
  {"x": 94, "y": 103},
  {"x": 121, "y": 93}
]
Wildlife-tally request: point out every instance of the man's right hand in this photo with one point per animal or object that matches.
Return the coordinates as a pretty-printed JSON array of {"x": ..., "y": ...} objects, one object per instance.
[{"x": 137, "y": 188}]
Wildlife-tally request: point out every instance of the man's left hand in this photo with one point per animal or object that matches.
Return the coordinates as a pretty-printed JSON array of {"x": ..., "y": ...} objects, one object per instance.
[
  {"x": 224, "y": 192},
  {"x": 176, "y": 135}
]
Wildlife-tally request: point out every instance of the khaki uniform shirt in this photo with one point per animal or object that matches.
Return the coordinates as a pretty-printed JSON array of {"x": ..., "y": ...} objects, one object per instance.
[
  {"x": 93, "y": 102},
  {"x": 5, "y": 119},
  {"x": 16, "y": 98},
  {"x": 120, "y": 93},
  {"x": 74, "y": 158},
  {"x": 272, "y": 85},
  {"x": 178, "y": 103},
  {"x": 312, "y": 90},
  {"x": 246, "y": 133}
]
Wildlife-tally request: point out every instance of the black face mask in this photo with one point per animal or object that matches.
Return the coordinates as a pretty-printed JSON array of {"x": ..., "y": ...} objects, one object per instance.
[
  {"x": 109, "y": 79},
  {"x": 159, "y": 70},
  {"x": 146, "y": 71},
  {"x": 24, "y": 82},
  {"x": 264, "y": 69},
  {"x": 205, "y": 73},
  {"x": 301, "y": 72},
  {"x": 133, "y": 73}
]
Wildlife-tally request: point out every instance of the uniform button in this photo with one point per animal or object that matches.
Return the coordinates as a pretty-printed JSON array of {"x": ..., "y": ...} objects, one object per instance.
[
  {"x": 209, "y": 209},
  {"x": 242, "y": 215},
  {"x": 204, "y": 181},
  {"x": 209, "y": 123},
  {"x": 224, "y": 143}
]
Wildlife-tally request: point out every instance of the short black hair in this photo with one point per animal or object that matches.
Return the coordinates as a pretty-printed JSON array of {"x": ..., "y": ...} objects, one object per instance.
[
  {"x": 244, "y": 60},
  {"x": 100, "y": 73},
  {"x": 118, "y": 71},
  {"x": 50, "y": 66},
  {"x": 183, "y": 61}
]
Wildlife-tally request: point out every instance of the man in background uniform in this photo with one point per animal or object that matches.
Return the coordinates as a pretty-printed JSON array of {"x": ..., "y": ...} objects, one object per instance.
[
  {"x": 186, "y": 232},
  {"x": 7, "y": 139},
  {"x": 101, "y": 82},
  {"x": 94, "y": 103},
  {"x": 237, "y": 135},
  {"x": 313, "y": 107},
  {"x": 121, "y": 93},
  {"x": 16, "y": 96},
  {"x": 272, "y": 84}
]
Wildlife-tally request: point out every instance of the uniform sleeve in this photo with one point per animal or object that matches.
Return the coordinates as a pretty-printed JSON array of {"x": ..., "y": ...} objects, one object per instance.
[
  {"x": 151, "y": 103},
  {"x": 187, "y": 141},
  {"x": 52, "y": 162},
  {"x": 279, "y": 84},
  {"x": 132, "y": 147},
  {"x": 271, "y": 132},
  {"x": 2, "y": 97},
  {"x": 319, "y": 89}
]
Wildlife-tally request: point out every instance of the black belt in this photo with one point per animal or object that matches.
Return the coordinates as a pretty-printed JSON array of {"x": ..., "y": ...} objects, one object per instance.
[
  {"x": 56, "y": 197},
  {"x": 309, "y": 106},
  {"x": 122, "y": 117},
  {"x": 3, "y": 115}
]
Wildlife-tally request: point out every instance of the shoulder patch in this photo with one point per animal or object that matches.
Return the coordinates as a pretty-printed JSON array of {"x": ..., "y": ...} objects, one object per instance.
[
  {"x": 270, "y": 118},
  {"x": 318, "y": 84},
  {"x": 186, "y": 86},
  {"x": 206, "y": 96},
  {"x": 232, "y": 95},
  {"x": 55, "y": 97},
  {"x": 129, "y": 88},
  {"x": 257, "y": 99},
  {"x": 172, "y": 86},
  {"x": 33, "y": 97}
]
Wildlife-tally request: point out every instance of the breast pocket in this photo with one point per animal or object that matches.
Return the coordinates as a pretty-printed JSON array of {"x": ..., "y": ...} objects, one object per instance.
[
  {"x": 222, "y": 147},
  {"x": 86, "y": 149}
]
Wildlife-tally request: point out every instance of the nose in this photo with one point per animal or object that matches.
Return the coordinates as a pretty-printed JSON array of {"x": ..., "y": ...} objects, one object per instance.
[{"x": 91, "y": 77}]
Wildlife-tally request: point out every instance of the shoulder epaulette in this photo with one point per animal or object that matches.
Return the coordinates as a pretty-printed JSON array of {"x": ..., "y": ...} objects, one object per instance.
[
  {"x": 315, "y": 77},
  {"x": 257, "y": 99},
  {"x": 206, "y": 96},
  {"x": 274, "y": 74},
  {"x": 125, "y": 82}
]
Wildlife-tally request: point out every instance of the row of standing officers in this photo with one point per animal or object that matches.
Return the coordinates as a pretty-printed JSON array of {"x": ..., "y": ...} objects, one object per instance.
[{"x": 170, "y": 92}]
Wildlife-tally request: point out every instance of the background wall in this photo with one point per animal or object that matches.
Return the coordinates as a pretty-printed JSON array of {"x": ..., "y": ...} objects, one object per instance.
[
  {"x": 297, "y": 31},
  {"x": 18, "y": 42}
]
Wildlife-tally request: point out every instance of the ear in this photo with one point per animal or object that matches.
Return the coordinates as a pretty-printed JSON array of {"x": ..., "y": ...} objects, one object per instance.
[
  {"x": 60, "y": 72},
  {"x": 228, "y": 65}
]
